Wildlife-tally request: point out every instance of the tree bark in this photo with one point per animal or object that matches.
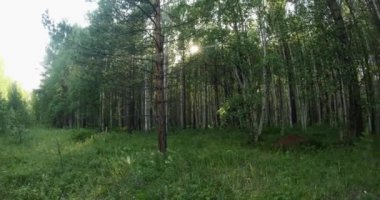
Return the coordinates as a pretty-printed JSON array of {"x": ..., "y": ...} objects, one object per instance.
[
  {"x": 377, "y": 108},
  {"x": 147, "y": 100},
  {"x": 119, "y": 103},
  {"x": 263, "y": 33},
  {"x": 102, "y": 99},
  {"x": 183, "y": 92},
  {"x": 292, "y": 90},
  {"x": 159, "y": 93},
  {"x": 110, "y": 112},
  {"x": 355, "y": 121}
]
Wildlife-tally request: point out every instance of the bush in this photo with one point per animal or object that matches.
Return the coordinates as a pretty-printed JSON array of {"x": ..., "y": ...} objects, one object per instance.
[
  {"x": 14, "y": 113},
  {"x": 3, "y": 115},
  {"x": 82, "y": 135}
]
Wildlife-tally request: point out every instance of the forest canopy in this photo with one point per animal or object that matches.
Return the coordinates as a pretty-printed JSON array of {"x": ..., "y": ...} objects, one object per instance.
[
  {"x": 260, "y": 64},
  {"x": 250, "y": 99}
]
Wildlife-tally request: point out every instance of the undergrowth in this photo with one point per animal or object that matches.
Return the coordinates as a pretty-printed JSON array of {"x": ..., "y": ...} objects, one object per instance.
[{"x": 200, "y": 164}]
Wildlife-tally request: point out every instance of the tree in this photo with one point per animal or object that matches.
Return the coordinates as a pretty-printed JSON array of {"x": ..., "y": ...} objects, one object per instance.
[
  {"x": 3, "y": 115},
  {"x": 355, "y": 117},
  {"x": 262, "y": 63},
  {"x": 17, "y": 107},
  {"x": 159, "y": 92}
]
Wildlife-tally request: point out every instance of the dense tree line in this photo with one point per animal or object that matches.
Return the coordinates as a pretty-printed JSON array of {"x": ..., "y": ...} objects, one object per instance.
[
  {"x": 15, "y": 114},
  {"x": 261, "y": 63}
]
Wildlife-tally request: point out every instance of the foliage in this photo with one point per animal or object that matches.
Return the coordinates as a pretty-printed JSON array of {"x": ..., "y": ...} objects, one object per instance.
[
  {"x": 201, "y": 164},
  {"x": 3, "y": 115},
  {"x": 14, "y": 111},
  {"x": 4, "y": 80},
  {"x": 260, "y": 64},
  {"x": 238, "y": 109},
  {"x": 18, "y": 107},
  {"x": 82, "y": 135}
]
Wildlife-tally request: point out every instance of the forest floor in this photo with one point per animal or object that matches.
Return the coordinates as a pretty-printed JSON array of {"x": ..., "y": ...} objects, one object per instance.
[{"x": 200, "y": 164}]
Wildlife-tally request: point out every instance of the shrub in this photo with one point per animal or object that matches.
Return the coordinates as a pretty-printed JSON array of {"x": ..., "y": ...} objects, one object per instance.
[{"x": 82, "y": 135}]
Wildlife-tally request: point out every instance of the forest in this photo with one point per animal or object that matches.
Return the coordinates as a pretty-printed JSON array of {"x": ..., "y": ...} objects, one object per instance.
[{"x": 200, "y": 99}]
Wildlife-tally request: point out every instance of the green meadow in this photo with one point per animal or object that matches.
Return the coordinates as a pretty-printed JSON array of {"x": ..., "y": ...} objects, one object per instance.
[{"x": 199, "y": 164}]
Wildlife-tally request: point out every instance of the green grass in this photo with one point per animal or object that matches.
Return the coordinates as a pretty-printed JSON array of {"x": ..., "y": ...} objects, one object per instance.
[{"x": 200, "y": 164}]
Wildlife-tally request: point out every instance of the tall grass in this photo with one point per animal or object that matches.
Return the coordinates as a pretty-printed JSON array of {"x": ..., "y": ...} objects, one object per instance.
[{"x": 206, "y": 164}]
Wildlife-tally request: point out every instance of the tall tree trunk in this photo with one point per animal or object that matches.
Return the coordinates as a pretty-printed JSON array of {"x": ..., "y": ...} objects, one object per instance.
[
  {"x": 159, "y": 92},
  {"x": 102, "y": 108},
  {"x": 78, "y": 125},
  {"x": 377, "y": 108},
  {"x": 362, "y": 43},
  {"x": 216, "y": 99},
  {"x": 272, "y": 95},
  {"x": 317, "y": 90},
  {"x": 110, "y": 112},
  {"x": 263, "y": 33},
  {"x": 119, "y": 103},
  {"x": 283, "y": 105},
  {"x": 205, "y": 102},
  {"x": 355, "y": 121},
  {"x": 147, "y": 100},
  {"x": 183, "y": 92},
  {"x": 166, "y": 90},
  {"x": 291, "y": 82}
]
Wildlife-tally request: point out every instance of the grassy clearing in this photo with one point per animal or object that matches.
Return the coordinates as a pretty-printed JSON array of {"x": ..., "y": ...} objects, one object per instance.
[{"x": 205, "y": 164}]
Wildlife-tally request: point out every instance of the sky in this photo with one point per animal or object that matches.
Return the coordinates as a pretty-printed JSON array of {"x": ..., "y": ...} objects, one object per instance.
[{"x": 23, "y": 38}]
